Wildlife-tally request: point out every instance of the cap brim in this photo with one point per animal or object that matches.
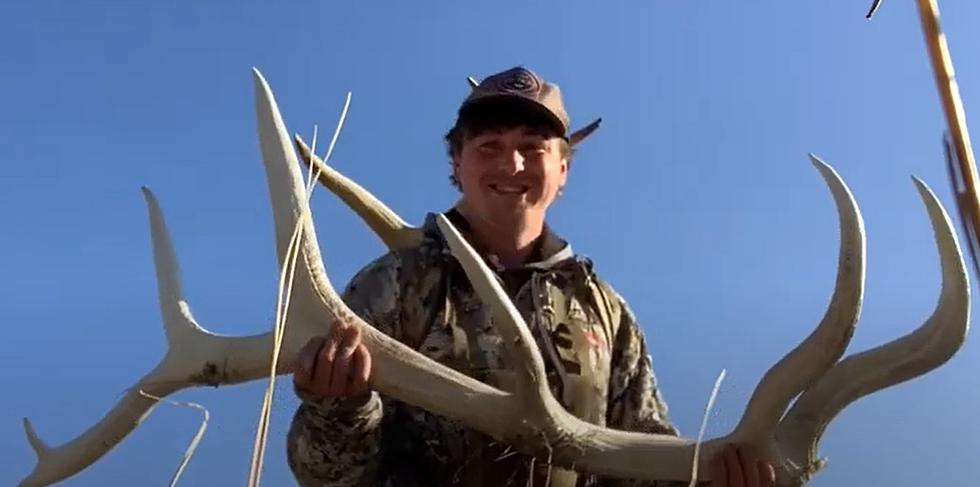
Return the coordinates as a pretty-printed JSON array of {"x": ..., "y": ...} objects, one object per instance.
[{"x": 475, "y": 104}]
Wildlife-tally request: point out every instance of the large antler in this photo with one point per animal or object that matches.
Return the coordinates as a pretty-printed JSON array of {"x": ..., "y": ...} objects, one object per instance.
[{"x": 527, "y": 417}]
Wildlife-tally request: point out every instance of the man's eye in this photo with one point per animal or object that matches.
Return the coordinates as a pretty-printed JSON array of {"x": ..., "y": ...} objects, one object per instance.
[{"x": 534, "y": 149}]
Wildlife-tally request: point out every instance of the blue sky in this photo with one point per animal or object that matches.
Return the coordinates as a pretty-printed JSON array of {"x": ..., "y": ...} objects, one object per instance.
[{"x": 696, "y": 198}]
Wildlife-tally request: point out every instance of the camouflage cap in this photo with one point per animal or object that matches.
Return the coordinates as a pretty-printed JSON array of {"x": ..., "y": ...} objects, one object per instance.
[{"x": 520, "y": 83}]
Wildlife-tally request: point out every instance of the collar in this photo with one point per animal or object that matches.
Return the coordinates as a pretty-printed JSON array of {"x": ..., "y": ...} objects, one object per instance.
[{"x": 549, "y": 251}]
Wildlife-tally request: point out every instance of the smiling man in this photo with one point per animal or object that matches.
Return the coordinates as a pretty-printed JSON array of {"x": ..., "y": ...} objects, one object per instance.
[{"x": 510, "y": 151}]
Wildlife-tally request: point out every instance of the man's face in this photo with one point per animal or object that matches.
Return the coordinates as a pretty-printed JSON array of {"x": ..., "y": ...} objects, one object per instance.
[{"x": 509, "y": 176}]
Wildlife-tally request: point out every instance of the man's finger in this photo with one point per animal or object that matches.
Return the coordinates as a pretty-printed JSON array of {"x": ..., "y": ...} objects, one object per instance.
[
  {"x": 767, "y": 473},
  {"x": 735, "y": 476},
  {"x": 749, "y": 465},
  {"x": 719, "y": 474},
  {"x": 361, "y": 372},
  {"x": 341, "y": 364},
  {"x": 307, "y": 355},
  {"x": 325, "y": 366},
  {"x": 301, "y": 379},
  {"x": 305, "y": 363}
]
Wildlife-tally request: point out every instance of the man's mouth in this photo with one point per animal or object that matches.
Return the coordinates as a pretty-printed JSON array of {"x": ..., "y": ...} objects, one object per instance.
[{"x": 509, "y": 189}]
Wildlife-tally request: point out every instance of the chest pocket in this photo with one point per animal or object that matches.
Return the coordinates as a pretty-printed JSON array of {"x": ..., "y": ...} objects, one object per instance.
[{"x": 582, "y": 343}]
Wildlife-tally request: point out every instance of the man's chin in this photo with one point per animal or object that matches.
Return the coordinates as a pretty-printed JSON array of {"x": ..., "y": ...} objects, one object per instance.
[
  {"x": 511, "y": 208},
  {"x": 514, "y": 214}
]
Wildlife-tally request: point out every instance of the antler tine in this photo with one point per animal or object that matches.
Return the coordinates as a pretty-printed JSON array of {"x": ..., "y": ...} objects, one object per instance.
[
  {"x": 177, "y": 317},
  {"x": 903, "y": 359},
  {"x": 532, "y": 381},
  {"x": 383, "y": 221},
  {"x": 819, "y": 351}
]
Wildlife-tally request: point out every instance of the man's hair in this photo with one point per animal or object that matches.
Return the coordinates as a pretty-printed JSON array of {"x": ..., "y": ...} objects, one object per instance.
[{"x": 499, "y": 115}]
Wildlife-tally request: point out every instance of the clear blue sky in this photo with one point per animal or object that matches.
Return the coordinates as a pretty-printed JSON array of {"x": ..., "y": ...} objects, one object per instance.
[{"x": 696, "y": 198}]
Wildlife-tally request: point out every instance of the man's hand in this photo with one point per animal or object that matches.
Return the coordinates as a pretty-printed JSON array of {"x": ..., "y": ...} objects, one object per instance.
[
  {"x": 335, "y": 366},
  {"x": 740, "y": 466}
]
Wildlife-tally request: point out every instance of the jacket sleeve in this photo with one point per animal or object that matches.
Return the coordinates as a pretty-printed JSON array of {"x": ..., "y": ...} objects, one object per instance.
[
  {"x": 635, "y": 402},
  {"x": 334, "y": 443}
]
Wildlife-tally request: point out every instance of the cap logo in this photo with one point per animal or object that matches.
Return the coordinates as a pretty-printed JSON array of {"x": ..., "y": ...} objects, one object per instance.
[{"x": 519, "y": 82}]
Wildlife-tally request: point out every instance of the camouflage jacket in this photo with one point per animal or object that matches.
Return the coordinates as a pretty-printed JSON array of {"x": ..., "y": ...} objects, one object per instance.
[{"x": 594, "y": 352}]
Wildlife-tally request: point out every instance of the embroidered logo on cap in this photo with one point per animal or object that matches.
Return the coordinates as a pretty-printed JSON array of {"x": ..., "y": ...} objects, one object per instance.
[{"x": 519, "y": 81}]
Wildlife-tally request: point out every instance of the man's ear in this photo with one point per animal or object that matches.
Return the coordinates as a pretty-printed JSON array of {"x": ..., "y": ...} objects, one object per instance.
[{"x": 455, "y": 164}]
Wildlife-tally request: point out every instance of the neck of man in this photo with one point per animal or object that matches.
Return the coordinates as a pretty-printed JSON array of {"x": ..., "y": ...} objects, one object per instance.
[{"x": 511, "y": 241}]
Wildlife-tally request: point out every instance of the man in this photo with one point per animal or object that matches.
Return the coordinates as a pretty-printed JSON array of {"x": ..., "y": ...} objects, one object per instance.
[{"x": 510, "y": 151}]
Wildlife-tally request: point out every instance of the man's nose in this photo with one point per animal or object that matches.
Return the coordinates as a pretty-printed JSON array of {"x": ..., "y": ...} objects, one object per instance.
[{"x": 513, "y": 163}]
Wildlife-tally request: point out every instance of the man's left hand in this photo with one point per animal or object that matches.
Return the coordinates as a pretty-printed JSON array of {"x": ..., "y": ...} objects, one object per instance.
[{"x": 741, "y": 466}]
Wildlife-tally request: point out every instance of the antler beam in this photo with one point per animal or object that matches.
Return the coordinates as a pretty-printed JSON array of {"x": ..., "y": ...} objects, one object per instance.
[{"x": 528, "y": 417}]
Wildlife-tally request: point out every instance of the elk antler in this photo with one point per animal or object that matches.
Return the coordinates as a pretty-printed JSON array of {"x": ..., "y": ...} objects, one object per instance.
[{"x": 527, "y": 417}]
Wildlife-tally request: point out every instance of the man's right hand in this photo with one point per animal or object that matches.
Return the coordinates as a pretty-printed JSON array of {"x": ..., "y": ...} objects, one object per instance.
[{"x": 335, "y": 366}]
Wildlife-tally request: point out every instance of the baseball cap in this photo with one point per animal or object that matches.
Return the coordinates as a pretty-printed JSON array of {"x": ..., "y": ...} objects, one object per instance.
[{"x": 523, "y": 85}]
